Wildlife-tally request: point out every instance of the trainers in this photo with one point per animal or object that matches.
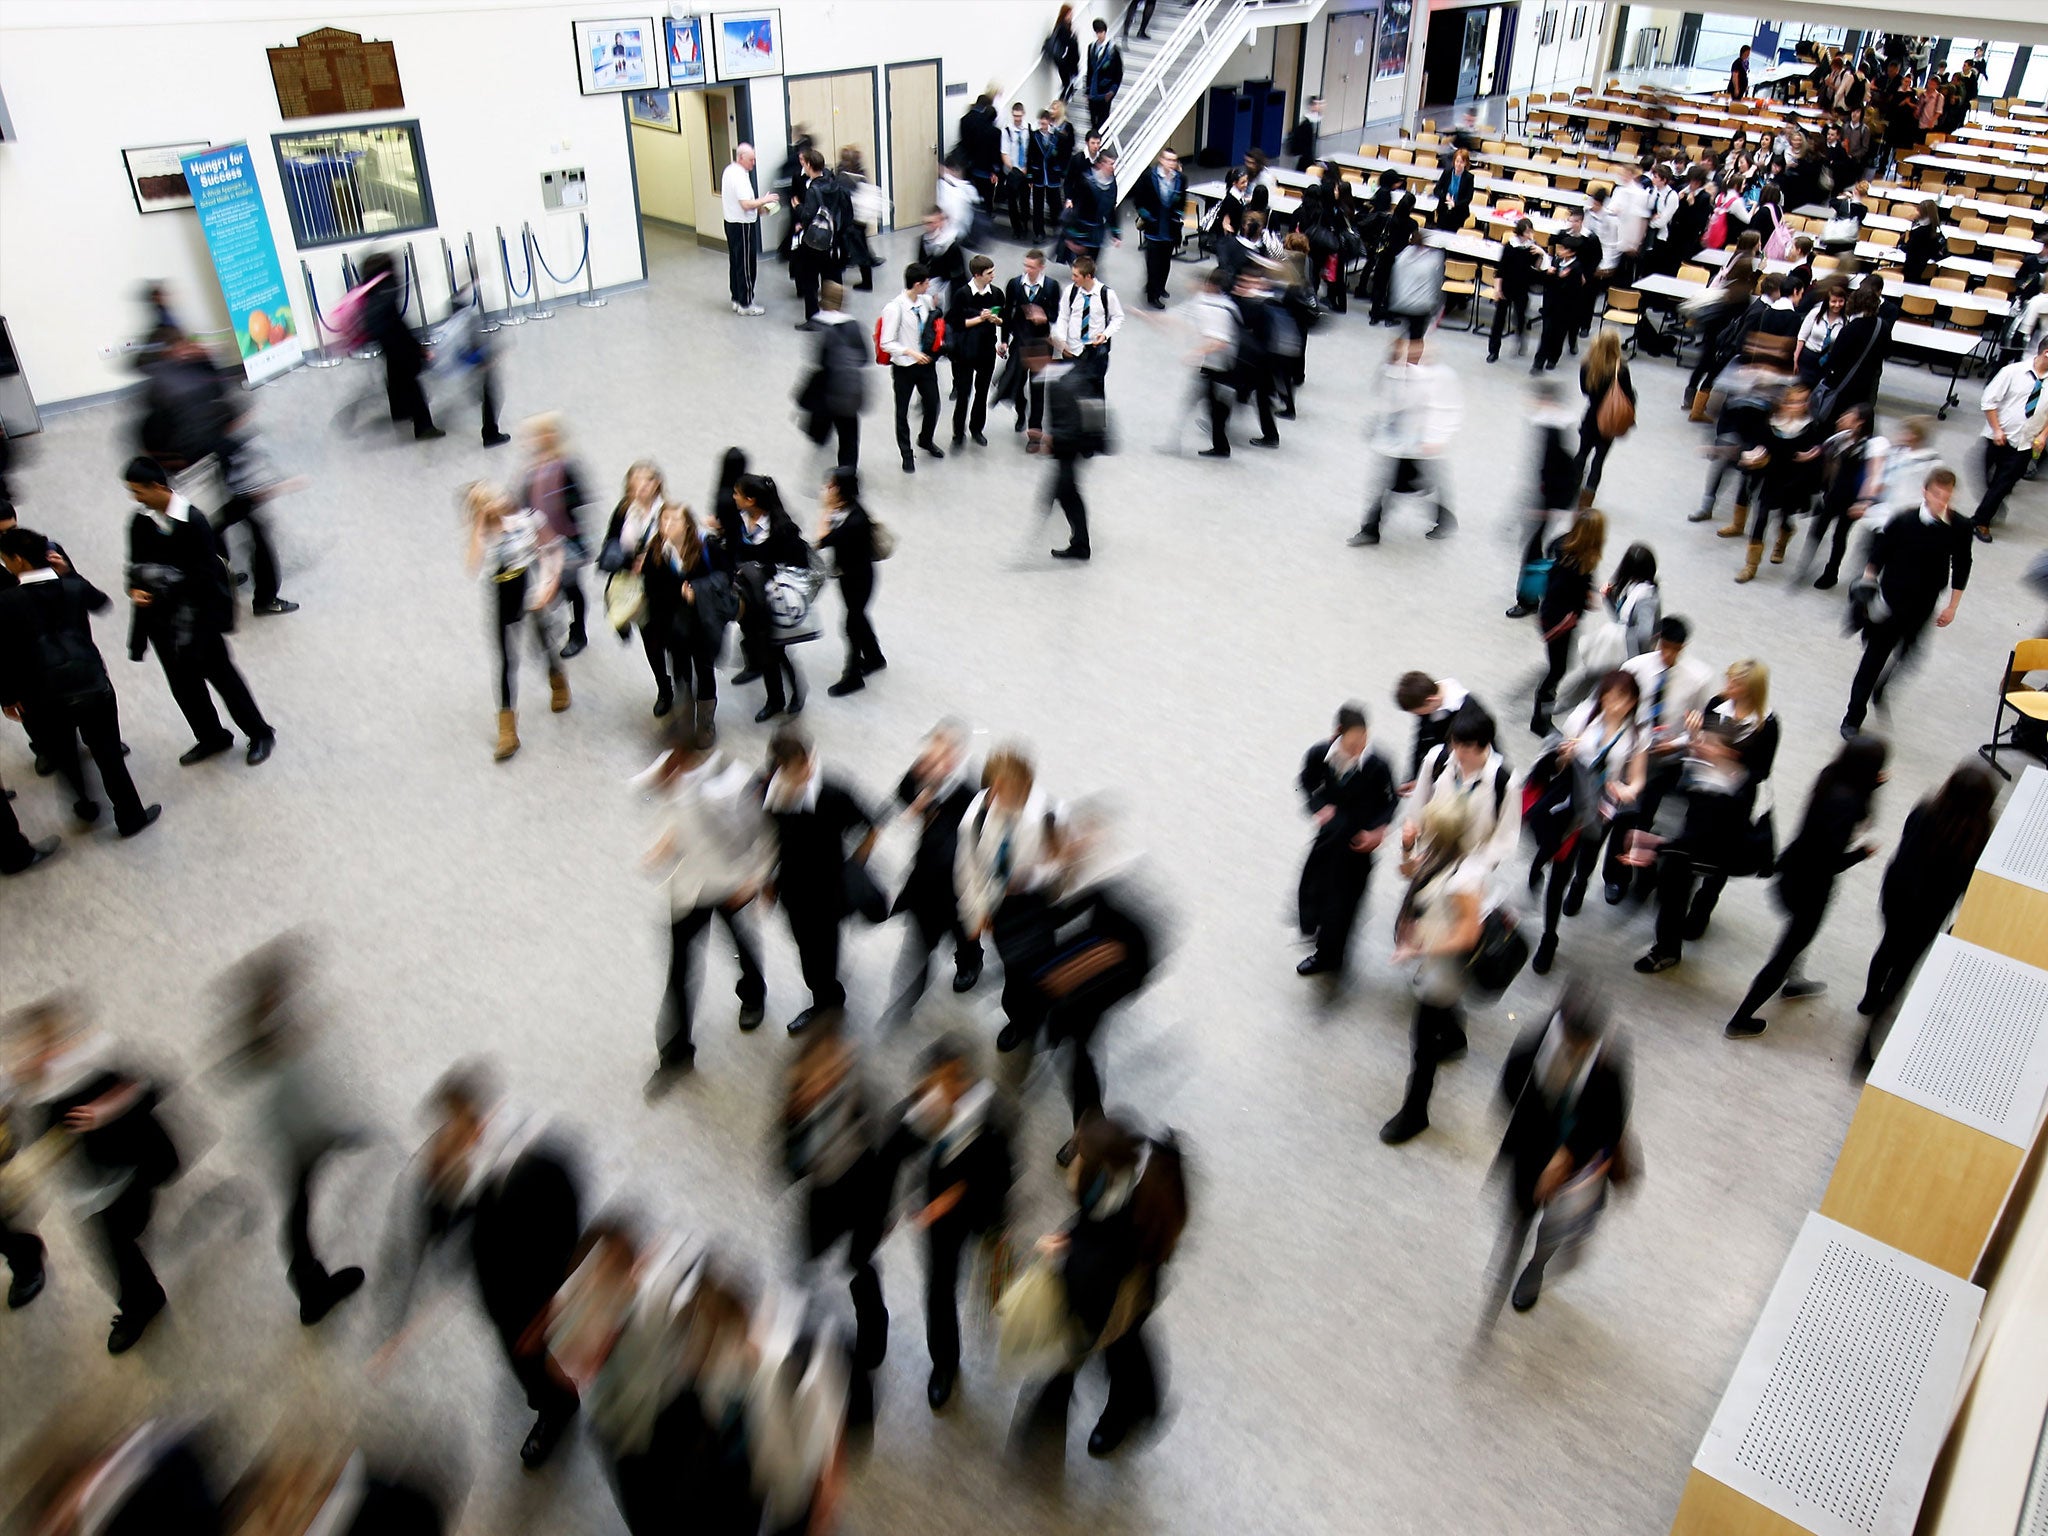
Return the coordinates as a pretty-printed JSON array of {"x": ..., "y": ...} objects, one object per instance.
[{"x": 753, "y": 309}]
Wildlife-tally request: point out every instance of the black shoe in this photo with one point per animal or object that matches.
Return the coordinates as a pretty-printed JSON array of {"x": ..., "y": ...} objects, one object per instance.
[
  {"x": 1866, "y": 1005},
  {"x": 1696, "y": 926},
  {"x": 965, "y": 980},
  {"x": 851, "y": 683},
  {"x": 205, "y": 749},
  {"x": 574, "y": 646},
  {"x": 909, "y": 465},
  {"x": 1266, "y": 442},
  {"x": 241, "y": 578},
  {"x": 1575, "y": 898},
  {"x": 932, "y": 448},
  {"x": 259, "y": 750},
  {"x": 497, "y": 439},
  {"x": 802, "y": 1021},
  {"x": 958, "y": 439},
  {"x": 1825, "y": 580},
  {"x": 1850, "y": 732},
  {"x": 341, "y": 1285},
  {"x": 276, "y": 605},
  {"x": 1526, "y": 1294},
  {"x": 27, "y": 1287},
  {"x": 1493, "y": 357},
  {"x": 745, "y": 676},
  {"x": 87, "y": 811},
  {"x": 1521, "y": 610},
  {"x": 1743, "y": 1029},
  {"x": 1020, "y": 425},
  {"x": 38, "y": 853},
  {"x": 1405, "y": 1126},
  {"x": 1156, "y": 303},
  {"x": 879, "y": 664},
  {"x": 1615, "y": 891},
  {"x": 541, "y": 1440},
  {"x": 1070, "y": 553},
  {"x": 1545, "y": 956},
  {"x": 1107, "y": 1436},
  {"x": 1656, "y": 960},
  {"x": 1539, "y": 725},
  {"x": 1981, "y": 533},
  {"x": 130, "y": 1327},
  {"x": 668, "y": 1072},
  {"x": 1363, "y": 537},
  {"x": 664, "y": 701},
  {"x": 1215, "y": 453},
  {"x": 796, "y": 703},
  {"x": 939, "y": 1390},
  {"x": 1313, "y": 966},
  {"x": 427, "y": 434},
  {"x": 1011, "y": 1035},
  {"x": 766, "y": 713},
  {"x": 751, "y": 1015},
  {"x": 149, "y": 816},
  {"x": 979, "y": 440},
  {"x": 1802, "y": 987},
  {"x": 806, "y": 325}
]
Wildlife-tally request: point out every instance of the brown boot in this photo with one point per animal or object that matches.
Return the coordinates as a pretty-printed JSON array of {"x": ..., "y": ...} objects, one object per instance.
[
  {"x": 1585, "y": 500},
  {"x": 558, "y": 690},
  {"x": 1699, "y": 406},
  {"x": 707, "y": 724},
  {"x": 508, "y": 734},
  {"x": 1778, "y": 549},
  {"x": 1756, "y": 558},
  {"x": 1733, "y": 530}
]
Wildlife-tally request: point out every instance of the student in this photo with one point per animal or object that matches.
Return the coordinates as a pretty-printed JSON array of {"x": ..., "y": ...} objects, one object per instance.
[
  {"x": 1825, "y": 847},
  {"x": 814, "y": 815},
  {"x": 1437, "y": 929},
  {"x": 714, "y": 855},
  {"x": 1521, "y": 266},
  {"x": 766, "y": 540},
  {"x": 2015, "y": 407},
  {"x": 495, "y": 1182},
  {"x": 1556, "y": 491},
  {"x": 1434, "y": 702},
  {"x": 1219, "y": 328},
  {"x": 1675, "y": 688},
  {"x": 954, "y": 1118},
  {"x": 53, "y": 679},
  {"x": 910, "y": 327},
  {"x": 837, "y": 391},
  {"x": 1944, "y": 836},
  {"x": 1913, "y": 559},
  {"x": 1047, "y": 170},
  {"x": 1819, "y": 332},
  {"x": 251, "y": 481},
  {"x": 1467, "y": 766},
  {"x": 1568, "y": 297},
  {"x": 1738, "y": 75},
  {"x": 1454, "y": 192},
  {"x": 1103, "y": 77},
  {"x": 1016, "y": 171},
  {"x": 1420, "y": 409},
  {"x": 1574, "y": 557},
  {"x": 1349, "y": 791},
  {"x": 1603, "y": 750},
  {"x": 552, "y": 487},
  {"x": 630, "y": 542},
  {"x": 974, "y": 316},
  {"x": 1925, "y": 245},
  {"x": 1160, "y": 199},
  {"x": 1075, "y": 420},
  {"x": 1602, "y": 372},
  {"x": 384, "y": 323},
  {"x": 1853, "y": 472},
  {"x": 935, "y": 794},
  {"x": 1010, "y": 860},
  {"x": 1788, "y": 466},
  {"x": 515, "y": 550},
  {"x": 845, "y": 529},
  {"x": 1302, "y": 140},
  {"x": 1090, "y": 317},
  {"x": 1030, "y": 302}
]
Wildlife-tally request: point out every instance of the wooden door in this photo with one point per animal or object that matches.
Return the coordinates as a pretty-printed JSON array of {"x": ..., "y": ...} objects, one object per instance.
[
  {"x": 913, "y": 140},
  {"x": 1347, "y": 70},
  {"x": 853, "y": 117},
  {"x": 810, "y": 109}
]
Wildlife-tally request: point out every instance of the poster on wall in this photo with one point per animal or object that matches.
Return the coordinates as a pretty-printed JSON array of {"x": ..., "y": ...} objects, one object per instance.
[
  {"x": 685, "y": 49},
  {"x": 747, "y": 43},
  {"x": 653, "y": 109},
  {"x": 237, "y": 230},
  {"x": 156, "y": 175},
  {"x": 1389, "y": 62},
  {"x": 616, "y": 56}
]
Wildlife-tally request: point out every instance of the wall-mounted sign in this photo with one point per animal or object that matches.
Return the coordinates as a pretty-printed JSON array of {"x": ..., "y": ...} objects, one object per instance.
[
  {"x": 237, "y": 229},
  {"x": 332, "y": 71},
  {"x": 156, "y": 175}
]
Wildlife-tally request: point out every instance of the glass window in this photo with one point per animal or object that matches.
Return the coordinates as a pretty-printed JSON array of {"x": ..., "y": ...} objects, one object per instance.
[{"x": 354, "y": 183}]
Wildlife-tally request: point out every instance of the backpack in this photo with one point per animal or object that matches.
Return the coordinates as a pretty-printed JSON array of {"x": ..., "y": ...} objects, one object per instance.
[
  {"x": 346, "y": 320},
  {"x": 1417, "y": 284},
  {"x": 935, "y": 329},
  {"x": 1500, "y": 778},
  {"x": 822, "y": 229}
]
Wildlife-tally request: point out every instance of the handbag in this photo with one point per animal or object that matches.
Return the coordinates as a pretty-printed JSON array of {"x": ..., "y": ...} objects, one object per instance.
[
  {"x": 1502, "y": 951},
  {"x": 625, "y": 600},
  {"x": 883, "y": 540},
  {"x": 1616, "y": 416},
  {"x": 1535, "y": 577},
  {"x": 1036, "y": 1335},
  {"x": 790, "y": 591}
]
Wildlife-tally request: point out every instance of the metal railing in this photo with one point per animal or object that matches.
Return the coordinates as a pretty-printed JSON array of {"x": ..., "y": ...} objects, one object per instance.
[{"x": 1168, "y": 67}]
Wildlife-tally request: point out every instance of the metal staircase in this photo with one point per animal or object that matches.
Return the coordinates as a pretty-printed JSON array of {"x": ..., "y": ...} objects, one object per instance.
[{"x": 1165, "y": 77}]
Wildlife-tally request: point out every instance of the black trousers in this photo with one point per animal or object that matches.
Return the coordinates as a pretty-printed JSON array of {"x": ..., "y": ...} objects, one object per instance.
[
  {"x": 1687, "y": 894},
  {"x": 848, "y": 430},
  {"x": 16, "y": 852},
  {"x": 202, "y": 664},
  {"x": 742, "y": 260},
  {"x": 1333, "y": 886},
  {"x": 1509, "y": 307},
  {"x": 816, "y": 931},
  {"x": 1147, "y": 7},
  {"x": 1835, "y": 513},
  {"x": 1133, "y": 1382},
  {"x": 57, "y": 731},
  {"x": 1048, "y": 206},
  {"x": 923, "y": 380},
  {"x": 402, "y": 388},
  {"x": 22, "y": 1250},
  {"x": 545, "y": 1394},
  {"x": 855, "y": 1206},
  {"x": 1437, "y": 1032},
  {"x": 863, "y": 650},
  {"x": 971, "y": 377},
  {"x": 512, "y": 613},
  {"x": 1066, "y": 495},
  {"x": 944, "y": 1243},
  {"x": 487, "y": 396},
  {"x": 1802, "y": 923},
  {"x": 1558, "y": 651},
  {"x": 1219, "y": 392},
  {"x": 2003, "y": 466},
  {"x": 308, "y": 1276},
  {"x": 121, "y": 1227},
  {"x": 1560, "y": 324},
  {"x": 807, "y": 268},
  {"x": 1895, "y": 636},
  {"x": 263, "y": 576},
  {"x": 1017, "y": 193},
  {"x": 1158, "y": 264},
  {"x": 1908, "y": 935},
  {"x": 1031, "y": 405},
  {"x": 1099, "y": 108},
  {"x": 672, "y": 1032},
  {"x": 1592, "y": 458},
  {"x": 1574, "y": 871},
  {"x": 691, "y": 663},
  {"x": 1665, "y": 774},
  {"x": 1409, "y": 476}
]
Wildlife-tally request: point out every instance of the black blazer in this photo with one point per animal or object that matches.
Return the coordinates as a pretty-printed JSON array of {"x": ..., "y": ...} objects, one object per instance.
[
  {"x": 984, "y": 1166},
  {"x": 1927, "y": 876},
  {"x": 1016, "y": 320},
  {"x": 522, "y": 1234},
  {"x": 1825, "y": 847},
  {"x": 1159, "y": 218},
  {"x": 41, "y": 618},
  {"x": 134, "y": 1142},
  {"x": 1534, "y": 1133},
  {"x": 1363, "y": 800},
  {"x": 784, "y": 545},
  {"x": 810, "y": 875},
  {"x": 1105, "y": 69},
  {"x": 972, "y": 344},
  {"x": 204, "y": 591},
  {"x": 853, "y": 545},
  {"x": 1453, "y": 207},
  {"x": 928, "y": 889}
]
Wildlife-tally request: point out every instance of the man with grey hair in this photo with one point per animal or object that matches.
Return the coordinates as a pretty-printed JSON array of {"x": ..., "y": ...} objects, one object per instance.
[{"x": 742, "y": 210}]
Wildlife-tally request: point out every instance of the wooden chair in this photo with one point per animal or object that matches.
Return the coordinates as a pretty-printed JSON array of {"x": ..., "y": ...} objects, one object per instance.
[
  {"x": 1493, "y": 146},
  {"x": 2014, "y": 694},
  {"x": 1905, "y": 210},
  {"x": 1461, "y": 281},
  {"x": 1511, "y": 119},
  {"x": 1965, "y": 317},
  {"x": 1959, "y": 246},
  {"x": 1881, "y": 236},
  {"x": 1953, "y": 284},
  {"x": 2024, "y": 228},
  {"x": 1917, "y": 306},
  {"x": 1974, "y": 225},
  {"x": 1624, "y": 312},
  {"x": 1998, "y": 283},
  {"x": 1401, "y": 156},
  {"x": 1692, "y": 274}
]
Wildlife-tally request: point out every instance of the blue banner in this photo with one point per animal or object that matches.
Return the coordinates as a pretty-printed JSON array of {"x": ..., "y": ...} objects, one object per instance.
[{"x": 237, "y": 227}]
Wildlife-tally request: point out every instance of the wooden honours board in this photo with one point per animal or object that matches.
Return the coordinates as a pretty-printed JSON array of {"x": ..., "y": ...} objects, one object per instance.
[{"x": 331, "y": 71}]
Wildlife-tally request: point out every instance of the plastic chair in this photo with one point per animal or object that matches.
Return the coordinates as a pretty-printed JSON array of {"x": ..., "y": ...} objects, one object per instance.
[
  {"x": 1461, "y": 281},
  {"x": 2024, "y": 702}
]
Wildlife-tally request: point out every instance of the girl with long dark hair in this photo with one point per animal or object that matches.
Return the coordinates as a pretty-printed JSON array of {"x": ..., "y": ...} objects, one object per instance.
[
  {"x": 767, "y": 541},
  {"x": 1574, "y": 557},
  {"x": 845, "y": 528}
]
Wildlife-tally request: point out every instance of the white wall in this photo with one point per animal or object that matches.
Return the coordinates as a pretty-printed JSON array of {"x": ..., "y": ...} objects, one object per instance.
[
  {"x": 1641, "y": 19},
  {"x": 1567, "y": 59}
]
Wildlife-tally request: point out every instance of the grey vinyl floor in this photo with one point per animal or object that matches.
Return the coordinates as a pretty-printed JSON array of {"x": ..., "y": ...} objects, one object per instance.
[{"x": 1328, "y": 1374}]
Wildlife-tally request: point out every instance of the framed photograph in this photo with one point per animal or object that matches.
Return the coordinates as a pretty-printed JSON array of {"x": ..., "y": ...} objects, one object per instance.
[
  {"x": 747, "y": 43},
  {"x": 653, "y": 109},
  {"x": 157, "y": 177},
  {"x": 617, "y": 56},
  {"x": 684, "y": 37}
]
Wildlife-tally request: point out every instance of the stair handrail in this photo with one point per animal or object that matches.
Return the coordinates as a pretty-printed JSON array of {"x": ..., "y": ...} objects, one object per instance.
[
  {"x": 1013, "y": 88},
  {"x": 1192, "y": 32}
]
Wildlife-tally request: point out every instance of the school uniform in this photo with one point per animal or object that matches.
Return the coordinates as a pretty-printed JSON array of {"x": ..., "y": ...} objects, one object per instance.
[
  {"x": 1103, "y": 78},
  {"x": 187, "y": 621},
  {"x": 839, "y": 1153},
  {"x": 812, "y": 824},
  {"x": 1021, "y": 329},
  {"x": 1159, "y": 200},
  {"x": 1918, "y": 557},
  {"x": 1016, "y": 174},
  {"x": 1359, "y": 793},
  {"x": 1434, "y": 728},
  {"x": 1716, "y": 840},
  {"x": 927, "y": 896},
  {"x": 909, "y": 329},
  {"x": 1005, "y": 870},
  {"x": 851, "y": 539},
  {"x": 1925, "y": 879},
  {"x": 1521, "y": 265},
  {"x": 973, "y": 350},
  {"x": 1669, "y": 696},
  {"x": 723, "y": 846},
  {"x": 1088, "y": 323},
  {"x": 1046, "y": 169},
  {"x": 1825, "y": 848},
  {"x": 555, "y": 490}
]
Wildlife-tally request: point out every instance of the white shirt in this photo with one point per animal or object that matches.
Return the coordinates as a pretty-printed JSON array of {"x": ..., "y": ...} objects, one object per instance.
[
  {"x": 42, "y": 573},
  {"x": 1819, "y": 330},
  {"x": 1668, "y": 700},
  {"x": 956, "y": 199},
  {"x": 1217, "y": 319},
  {"x": 717, "y": 835},
  {"x": 1421, "y": 408},
  {"x": 177, "y": 512},
  {"x": 1494, "y": 836},
  {"x": 1663, "y": 204},
  {"x": 1589, "y": 728},
  {"x": 1017, "y": 144},
  {"x": 985, "y": 830},
  {"x": 735, "y": 190},
  {"x": 1629, "y": 207},
  {"x": 2007, "y": 394},
  {"x": 903, "y": 319},
  {"x": 1098, "y": 307}
]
